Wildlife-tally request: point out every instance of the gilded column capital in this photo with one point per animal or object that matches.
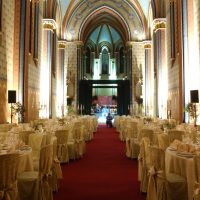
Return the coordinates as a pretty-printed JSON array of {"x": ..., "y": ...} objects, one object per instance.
[
  {"x": 49, "y": 24},
  {"x": 79, "y": 44},
  {"x": 147, "y": 44},
  {"x": 129, "y": 44},
  {"x": 159, "y": 24},
  {"x": 62, "y": 44}
]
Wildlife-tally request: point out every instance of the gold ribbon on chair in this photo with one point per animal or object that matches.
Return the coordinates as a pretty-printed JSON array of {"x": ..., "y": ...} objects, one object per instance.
[
  {"x": 128, "y": 147},
  {"x": 57, "y": 167},
  {"x": 197, "y": 189},
  {"x": 152, "y": 192},
  {"x": 4, "y": 194},
  {"x": 45, "y": 188},
  {"x": 62, "y": 154}
]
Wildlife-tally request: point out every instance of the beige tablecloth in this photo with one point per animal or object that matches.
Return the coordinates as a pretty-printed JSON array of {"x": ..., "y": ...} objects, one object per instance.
[{"x": 183, "y": 166}]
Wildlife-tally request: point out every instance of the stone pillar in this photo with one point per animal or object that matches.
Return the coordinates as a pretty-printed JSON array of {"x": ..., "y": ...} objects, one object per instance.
[
  {"x": 92, "y": 62},
  {"x": 61, "y": 79},
  {"x": 129, "y": 75},
  {"x": 80, "y": 74},
  {"x": 148, "y": 79},
  {"x": 49, "y": 25},
  {"x": 160, "y": 68},
  {"x": 197, "y": 36},
  {"x": 23, "y": 56}
]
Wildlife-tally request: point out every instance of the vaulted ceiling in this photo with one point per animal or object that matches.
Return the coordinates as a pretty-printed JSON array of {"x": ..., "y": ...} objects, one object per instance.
[
  {"x": 69, "y": 4},
  {"x": 131, "y": 18}
]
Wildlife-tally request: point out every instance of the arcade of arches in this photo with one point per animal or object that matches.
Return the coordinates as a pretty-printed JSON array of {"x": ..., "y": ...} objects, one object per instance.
[{"x": 48, "y": 48}]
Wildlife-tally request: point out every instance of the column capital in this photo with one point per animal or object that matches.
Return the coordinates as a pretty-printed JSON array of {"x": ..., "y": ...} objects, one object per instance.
[
  {"x": 62, "y": 44},
  {"x": 147, "y": 44},
  {"x": 159, "y": 24},
  {"x": 49, "y": 24},
  {"x": 131, "y": 43},
  {"x": 79, "y": 44}
]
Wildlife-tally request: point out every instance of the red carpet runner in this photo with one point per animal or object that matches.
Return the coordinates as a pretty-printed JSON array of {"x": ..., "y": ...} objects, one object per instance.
[{"x": 104, "y": 173}]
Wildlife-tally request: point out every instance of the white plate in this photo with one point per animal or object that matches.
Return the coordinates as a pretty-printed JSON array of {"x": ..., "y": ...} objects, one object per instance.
[
  {"x": 25, "y": 148},
  {"x": 172, "y": 148},
  {"x": 186, "y": 154}
]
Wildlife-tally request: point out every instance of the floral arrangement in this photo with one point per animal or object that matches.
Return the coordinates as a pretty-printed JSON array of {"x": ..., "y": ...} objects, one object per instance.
[
  {"x": 18, "y": 108},
  {"x": 169, "y": 124},
  {"x": 147, "y": 120},
  {"x": 190, "y": 108}
]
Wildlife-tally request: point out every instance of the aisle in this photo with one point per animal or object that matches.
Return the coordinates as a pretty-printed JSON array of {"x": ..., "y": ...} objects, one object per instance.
[{"x": 103, "y": 174}]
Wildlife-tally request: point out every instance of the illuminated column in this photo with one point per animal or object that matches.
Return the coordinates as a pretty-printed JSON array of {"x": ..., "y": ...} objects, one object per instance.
[
  {"x": 148, "y": 92},
  {"x": 161, "y": 83},
  {"x": 49, "y": 25},
  {"x": 61, "y": 80},
  {"x": 196, "y": 53},
  {"x": 80, "y": 74},
  {"x": 197, "y": 25}
]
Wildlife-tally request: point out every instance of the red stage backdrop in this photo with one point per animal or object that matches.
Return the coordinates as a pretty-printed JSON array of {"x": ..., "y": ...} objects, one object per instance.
[{"x": 104, "y": 100}]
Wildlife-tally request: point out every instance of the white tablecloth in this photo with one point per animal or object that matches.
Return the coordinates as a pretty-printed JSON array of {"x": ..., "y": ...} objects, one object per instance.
[{"x": 183, "y": 166}]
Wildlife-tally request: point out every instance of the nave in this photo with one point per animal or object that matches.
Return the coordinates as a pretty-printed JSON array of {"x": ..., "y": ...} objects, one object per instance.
[{"x": 104, "y": 173}]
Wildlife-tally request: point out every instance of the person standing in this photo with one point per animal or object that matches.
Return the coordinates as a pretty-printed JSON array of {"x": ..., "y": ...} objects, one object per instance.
[{"x": 109, "y": 121}]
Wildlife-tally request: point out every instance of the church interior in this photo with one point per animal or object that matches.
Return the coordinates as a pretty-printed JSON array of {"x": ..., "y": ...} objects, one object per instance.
[{"x": 66, "y": 64}]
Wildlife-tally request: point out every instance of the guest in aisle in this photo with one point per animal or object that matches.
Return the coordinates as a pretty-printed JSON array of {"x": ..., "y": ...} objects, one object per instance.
[{"x": 109, "y": 121}]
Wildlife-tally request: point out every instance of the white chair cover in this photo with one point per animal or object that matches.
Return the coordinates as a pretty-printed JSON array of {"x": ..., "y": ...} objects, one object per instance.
[
  {"x": 8, "y": 176},
  {"x": 62, "y": 150},
  {"x": 144, "y": 164},
  {"x": 175, "y": 134},
  {"x": 197, "y": 177},
  {"x": 36, "y": 185}
]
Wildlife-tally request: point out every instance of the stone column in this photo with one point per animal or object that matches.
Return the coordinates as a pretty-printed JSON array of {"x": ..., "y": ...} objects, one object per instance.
[
  {"x": 128, "y": 64},
  {"x": 80, "y": 74},
  {"x": 92, "y": 62},
  {"x": 197, "y": 31},
  {"x": 161, "y": 89},
  {"x": 148, "y": 79},
  {"x": 49, "y": 25},
  {"x": 61, "y": 79}
]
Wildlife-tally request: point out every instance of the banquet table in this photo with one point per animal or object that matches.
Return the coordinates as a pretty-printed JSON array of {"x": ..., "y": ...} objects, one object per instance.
[
  {"x": 25, "y": 159},
  {"x": 183, "y": 166}
]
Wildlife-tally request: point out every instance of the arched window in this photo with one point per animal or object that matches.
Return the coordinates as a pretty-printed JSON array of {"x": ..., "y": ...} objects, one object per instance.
[
  {"x": 121, "y": 67},
  {"x": 105, "y": 61}
]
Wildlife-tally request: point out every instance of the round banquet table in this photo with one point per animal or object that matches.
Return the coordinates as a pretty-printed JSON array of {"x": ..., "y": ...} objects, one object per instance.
[
  {"x": 25, "y": 159},
  {"x": 183, "y": 166}
]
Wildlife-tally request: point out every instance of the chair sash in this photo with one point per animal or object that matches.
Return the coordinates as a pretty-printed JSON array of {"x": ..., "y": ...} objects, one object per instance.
[
  {"x": 196, "y": 189},
  {"x": 45, "y": 188},
  {"x": 57, "y": 168},
  {"x": 6, "y": 193},
  {"x": 79, "y": 147},
  {"x": 152, "y": 185},
  {"x": 62, "y": 153},
  {"x": 128, "y": 147}
]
